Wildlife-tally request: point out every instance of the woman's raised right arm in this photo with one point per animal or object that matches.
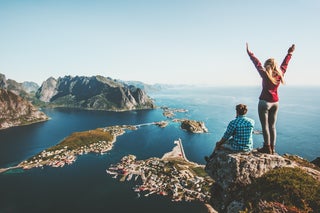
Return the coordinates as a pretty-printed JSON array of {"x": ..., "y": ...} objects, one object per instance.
[{"x": 285, "y": 62}]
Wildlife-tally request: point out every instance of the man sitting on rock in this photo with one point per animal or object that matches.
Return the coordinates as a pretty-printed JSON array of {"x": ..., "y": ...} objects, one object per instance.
[{"x": 238, "y": 136}]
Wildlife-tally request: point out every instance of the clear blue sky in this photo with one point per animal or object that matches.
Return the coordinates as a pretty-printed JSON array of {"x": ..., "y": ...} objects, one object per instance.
[{"x": 158, "y": 41}]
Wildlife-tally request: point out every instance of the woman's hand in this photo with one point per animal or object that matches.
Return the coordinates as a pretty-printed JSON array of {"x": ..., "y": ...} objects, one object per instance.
[
  {"x": 247, "y": 47},
  {"x": 291, "y": 49}
]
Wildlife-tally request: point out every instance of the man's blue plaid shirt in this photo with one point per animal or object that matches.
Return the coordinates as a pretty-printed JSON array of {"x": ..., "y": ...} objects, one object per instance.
[{"x": 240, "y": 129}]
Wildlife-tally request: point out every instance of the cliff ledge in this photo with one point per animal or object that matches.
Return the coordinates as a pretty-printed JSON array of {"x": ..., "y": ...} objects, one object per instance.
[{"x": 236, "y": 176}]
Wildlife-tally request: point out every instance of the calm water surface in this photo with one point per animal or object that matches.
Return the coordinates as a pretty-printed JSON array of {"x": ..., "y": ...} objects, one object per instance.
[{"x": 85, "y": 187}]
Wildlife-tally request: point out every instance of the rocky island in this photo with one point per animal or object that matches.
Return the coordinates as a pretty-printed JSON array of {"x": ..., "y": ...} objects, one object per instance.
[
  {"x": 192, "y": 125},
  {"x": 170, "y": 112},
  {"x": 172, "y": 175}
]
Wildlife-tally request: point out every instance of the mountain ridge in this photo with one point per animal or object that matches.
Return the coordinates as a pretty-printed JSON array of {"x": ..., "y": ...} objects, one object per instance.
[{"x": 95, "y": 92}]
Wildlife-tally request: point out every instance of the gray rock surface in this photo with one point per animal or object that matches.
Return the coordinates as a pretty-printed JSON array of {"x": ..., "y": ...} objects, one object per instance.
[{"x": 233, "y": 171}]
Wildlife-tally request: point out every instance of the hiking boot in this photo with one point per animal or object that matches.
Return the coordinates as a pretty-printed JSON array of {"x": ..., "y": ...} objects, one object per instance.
[
  {"x": 265, "y": 149},
  {"x": 273, "y": 151}
]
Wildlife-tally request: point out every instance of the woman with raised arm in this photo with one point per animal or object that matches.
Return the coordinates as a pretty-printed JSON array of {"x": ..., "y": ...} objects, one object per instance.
[{"x": 272, "y": 76}]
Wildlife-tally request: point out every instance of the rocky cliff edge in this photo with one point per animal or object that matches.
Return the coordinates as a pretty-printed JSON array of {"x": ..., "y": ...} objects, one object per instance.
[{"x": 236, "y": 173}]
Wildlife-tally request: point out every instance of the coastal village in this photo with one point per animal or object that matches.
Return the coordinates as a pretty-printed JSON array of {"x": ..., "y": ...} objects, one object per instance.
[
  {"x": 172, "y": 175},
  {"x": 66, "y": 152}
]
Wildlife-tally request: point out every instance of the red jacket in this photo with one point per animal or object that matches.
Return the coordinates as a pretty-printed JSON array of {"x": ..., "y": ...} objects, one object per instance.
[{"x": 269, "y": 91}]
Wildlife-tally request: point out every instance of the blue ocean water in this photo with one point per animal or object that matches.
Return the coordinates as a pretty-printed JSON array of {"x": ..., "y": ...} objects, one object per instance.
[
  {"x": 85, "y": 186},
  {"x": 297, "y": 123}
]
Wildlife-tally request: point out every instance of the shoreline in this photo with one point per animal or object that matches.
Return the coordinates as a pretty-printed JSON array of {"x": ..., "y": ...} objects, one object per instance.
[
  {"x": 26, "y": 124},
  {"x": 3, "y": 170},
  {"x": 62, "y": 154},
  {"x": 59, "y": 157}
]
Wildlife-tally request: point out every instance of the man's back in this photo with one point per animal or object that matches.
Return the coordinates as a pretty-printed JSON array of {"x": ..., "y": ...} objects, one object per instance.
[{"x": 241, "y": 130}]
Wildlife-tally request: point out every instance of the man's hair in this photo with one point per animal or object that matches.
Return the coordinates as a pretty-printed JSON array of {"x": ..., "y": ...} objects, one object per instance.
[{"x": 241, "y": 109}]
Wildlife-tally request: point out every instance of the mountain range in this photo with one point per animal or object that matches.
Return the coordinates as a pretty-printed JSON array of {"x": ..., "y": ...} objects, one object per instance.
[
  {"x": 96, "y": 92},
  {"x": 18, "y": 100}
]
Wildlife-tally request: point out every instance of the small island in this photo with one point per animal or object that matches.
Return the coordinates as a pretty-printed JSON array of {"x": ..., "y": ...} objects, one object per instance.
[
  {"x": 192, "y": 125},
  {"x": 172, "y": 175},
  {"x": 170, "y": 112}
]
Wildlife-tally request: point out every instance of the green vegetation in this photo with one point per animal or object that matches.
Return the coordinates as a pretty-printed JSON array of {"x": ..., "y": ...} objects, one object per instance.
[
  {"x": 78, "y": 139},
  {"x": 292, "y": 187},
  {"x": 301, "y": 161},
  {"x": 36, "y": 102},
  {"x": 199, "y": 171},
  {"x": 98, "y": 102},
  {"x": 24, "y": 120}
]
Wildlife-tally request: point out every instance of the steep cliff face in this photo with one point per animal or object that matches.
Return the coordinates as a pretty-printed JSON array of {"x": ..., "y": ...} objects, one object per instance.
[
  {"x": 94, "y": 92},
  {"x": 3, "y": 81},
  {"x": 17, "y": 111},
  {"x": 47, "y": 90},
  {"x": 235, "y": 172}
]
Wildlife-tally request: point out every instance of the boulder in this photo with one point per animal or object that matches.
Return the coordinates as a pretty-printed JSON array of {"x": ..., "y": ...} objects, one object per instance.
[{"x": 194, "y": 126}]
